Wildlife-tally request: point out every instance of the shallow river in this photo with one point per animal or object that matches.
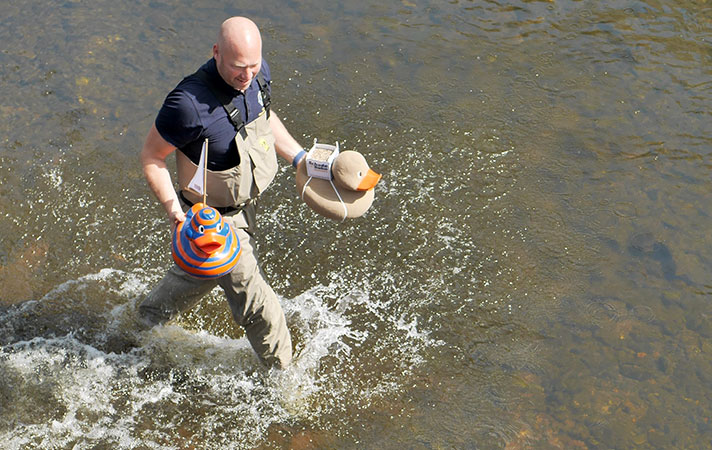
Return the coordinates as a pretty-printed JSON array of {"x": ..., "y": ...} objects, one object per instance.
[{"x": 534, "y": 272}]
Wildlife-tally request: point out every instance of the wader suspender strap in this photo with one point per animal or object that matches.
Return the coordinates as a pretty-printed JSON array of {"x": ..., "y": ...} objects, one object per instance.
[
  {"x": 266, "y": 99},
  {"x": 233, "y": 114}
]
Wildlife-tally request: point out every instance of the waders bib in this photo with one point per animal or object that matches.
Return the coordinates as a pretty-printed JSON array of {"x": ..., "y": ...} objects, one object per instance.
[{"x": 240, "y": 186}]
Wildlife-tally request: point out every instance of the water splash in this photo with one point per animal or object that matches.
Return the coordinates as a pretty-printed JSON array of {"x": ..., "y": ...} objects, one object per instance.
[{"x": 80, "y": 371}]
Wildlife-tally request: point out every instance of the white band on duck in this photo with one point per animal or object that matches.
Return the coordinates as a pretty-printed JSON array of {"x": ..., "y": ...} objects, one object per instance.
[
  {"x": 336, "y": 191},
  {"x": 346, "y": 211}
]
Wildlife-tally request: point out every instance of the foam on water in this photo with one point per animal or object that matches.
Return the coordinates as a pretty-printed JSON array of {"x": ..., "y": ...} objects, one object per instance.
[{"x": 75, "y": 377}]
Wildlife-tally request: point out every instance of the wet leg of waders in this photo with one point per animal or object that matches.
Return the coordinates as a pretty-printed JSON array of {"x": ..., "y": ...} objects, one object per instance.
[
  {"x": 255, "y": 306},
  {"x": 176, "y": 292}
]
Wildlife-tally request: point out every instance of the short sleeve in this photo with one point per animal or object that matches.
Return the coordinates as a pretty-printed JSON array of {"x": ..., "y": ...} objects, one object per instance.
[
  {"x": 266, "y": 72},
  {"x": 267, "y": 76},
  {"x": 178, "y": 121}
]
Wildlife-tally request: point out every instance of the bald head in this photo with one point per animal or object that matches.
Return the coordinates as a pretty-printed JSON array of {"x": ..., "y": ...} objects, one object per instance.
[
  {"x": 240, "y": 32},
  {"x": 238, "y": 52}
]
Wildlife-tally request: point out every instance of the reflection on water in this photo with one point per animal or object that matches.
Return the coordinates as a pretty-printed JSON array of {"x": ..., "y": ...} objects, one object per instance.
[{"x": 533, "y": 273}]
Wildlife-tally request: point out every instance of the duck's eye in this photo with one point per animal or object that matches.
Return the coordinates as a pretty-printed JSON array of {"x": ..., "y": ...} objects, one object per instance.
[
  {"x": 201, "y": 229},
  {"x": 219, "y": 227},
  {"x": 360, "y": 174}
]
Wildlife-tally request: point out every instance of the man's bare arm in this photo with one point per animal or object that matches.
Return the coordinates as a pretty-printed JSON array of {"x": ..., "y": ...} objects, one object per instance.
[
  {"x": 153, "y": 159},
  {"x": 287, "y": 147}
]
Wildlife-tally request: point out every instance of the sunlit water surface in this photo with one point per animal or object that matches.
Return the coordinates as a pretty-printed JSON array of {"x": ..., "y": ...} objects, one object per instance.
[{"x": 534, "y": 272}]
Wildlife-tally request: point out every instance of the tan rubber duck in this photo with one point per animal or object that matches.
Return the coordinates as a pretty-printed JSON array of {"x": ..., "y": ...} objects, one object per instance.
[{"x": 347, "y": 195}]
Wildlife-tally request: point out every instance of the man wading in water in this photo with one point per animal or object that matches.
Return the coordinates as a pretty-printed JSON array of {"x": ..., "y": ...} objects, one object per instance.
[{"x": 227, "y": 102}]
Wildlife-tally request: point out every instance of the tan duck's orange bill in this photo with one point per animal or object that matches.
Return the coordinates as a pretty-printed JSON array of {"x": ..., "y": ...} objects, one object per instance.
[{"x": 369, "y": 181}]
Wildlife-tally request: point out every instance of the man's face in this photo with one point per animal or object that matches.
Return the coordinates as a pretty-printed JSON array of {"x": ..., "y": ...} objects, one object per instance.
[{"x": 237, "y": 67}]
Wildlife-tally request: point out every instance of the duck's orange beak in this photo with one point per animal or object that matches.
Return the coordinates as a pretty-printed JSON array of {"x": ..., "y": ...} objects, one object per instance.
[
  {"x": 369, "y": 181},
  {"x": 210, "y": 242}
]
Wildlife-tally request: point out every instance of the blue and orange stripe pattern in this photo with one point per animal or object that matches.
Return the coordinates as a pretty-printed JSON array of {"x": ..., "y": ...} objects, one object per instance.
[{"x": 205, "y": 246}]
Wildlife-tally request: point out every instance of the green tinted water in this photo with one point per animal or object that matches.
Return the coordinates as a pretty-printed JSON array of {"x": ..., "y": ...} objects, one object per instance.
[{"x": 533, "y": 273}]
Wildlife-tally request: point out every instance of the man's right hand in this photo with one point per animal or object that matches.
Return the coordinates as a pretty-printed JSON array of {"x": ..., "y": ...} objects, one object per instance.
[{"x": 175, "y": 218}]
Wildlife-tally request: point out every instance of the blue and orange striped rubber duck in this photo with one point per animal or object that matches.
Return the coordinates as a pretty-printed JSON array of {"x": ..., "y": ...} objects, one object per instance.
[{"x": 205, "y": 246}]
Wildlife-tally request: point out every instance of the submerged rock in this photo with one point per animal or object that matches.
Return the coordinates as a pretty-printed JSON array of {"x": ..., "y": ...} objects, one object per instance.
[{"x": 645, "y": 246}]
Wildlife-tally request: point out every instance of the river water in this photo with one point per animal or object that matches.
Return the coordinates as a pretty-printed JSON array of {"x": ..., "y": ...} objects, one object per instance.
[{"x": 534, "y": 272}]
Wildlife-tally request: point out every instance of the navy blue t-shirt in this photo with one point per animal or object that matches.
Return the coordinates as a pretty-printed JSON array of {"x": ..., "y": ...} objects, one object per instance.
[{"x": 191, "y": 112}]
